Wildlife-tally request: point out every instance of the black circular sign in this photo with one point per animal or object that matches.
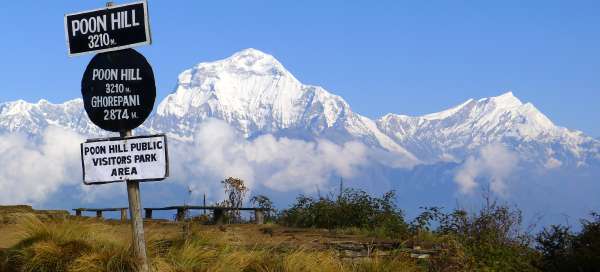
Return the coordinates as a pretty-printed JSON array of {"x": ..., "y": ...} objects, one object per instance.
[{"x": 118, "y": 90}]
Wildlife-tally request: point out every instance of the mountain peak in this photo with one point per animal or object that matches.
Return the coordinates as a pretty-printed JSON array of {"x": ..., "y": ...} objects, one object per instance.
[
  {"x": 251, "y": 54},
  {"x": 449, "y": 112},
  {"x": 252, "y": 89},
  {"x": 506, "y": 100},
  {"x": 248, "y": 61},
  {"x": 507, "y": 94},
  {"x": 245, "y": 63},
  {"x": 254, "y": 93},
  {"x": 19, "y": 106},
  {"x": 256, "y": 61}
]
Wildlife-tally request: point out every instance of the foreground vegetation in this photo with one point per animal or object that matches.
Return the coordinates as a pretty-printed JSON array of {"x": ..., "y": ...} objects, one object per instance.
[
  {"x": 300, "y": 239},
  {"x": 89, "y": 245},
  {"x": 491, "y": 239}
]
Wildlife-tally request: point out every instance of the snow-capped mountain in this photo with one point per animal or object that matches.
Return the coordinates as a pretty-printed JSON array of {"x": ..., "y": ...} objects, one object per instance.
[
  {"x": 33, "y": 118},
  {"x": 457, "y": 132},
  {"x": 256, "y": 95}
]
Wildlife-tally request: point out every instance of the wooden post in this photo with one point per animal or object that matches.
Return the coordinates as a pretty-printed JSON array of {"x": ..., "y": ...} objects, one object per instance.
[
  {"x": 135, "y": 213},
  {"x": 204, "y": 202},
  {"x": 98, "y": 214},
  {"x": 218, "y": 216},
  {"x": 259, "y": 216},
  {"x": 123, "y": 215},
  {"x": 180, "y": 214},
  {"x": 148, "y": 212}
]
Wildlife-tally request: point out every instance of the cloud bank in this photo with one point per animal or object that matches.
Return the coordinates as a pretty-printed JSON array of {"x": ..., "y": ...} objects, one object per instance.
[
  {"x": 30, "y": 170},
  {"x": 279, "y": 164},
  {"x": 494, "y": 162}
]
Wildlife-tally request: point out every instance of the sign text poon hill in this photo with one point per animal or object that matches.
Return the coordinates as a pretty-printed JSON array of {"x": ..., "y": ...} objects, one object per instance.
[{"x": 107, "y": 29}]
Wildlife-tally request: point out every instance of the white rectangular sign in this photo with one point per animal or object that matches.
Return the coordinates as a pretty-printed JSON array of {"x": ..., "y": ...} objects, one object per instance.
[{"x": 140, "y": 158}]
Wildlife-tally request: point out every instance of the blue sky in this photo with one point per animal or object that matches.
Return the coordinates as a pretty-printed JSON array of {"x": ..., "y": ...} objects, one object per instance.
[{"x": 410, "y": 58}]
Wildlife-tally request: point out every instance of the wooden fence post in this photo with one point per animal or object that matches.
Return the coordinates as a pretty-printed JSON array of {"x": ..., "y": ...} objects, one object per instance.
[
  {"x": 123, "y": 215},
  {"x": 180, "y": 214},
  {"x": 218, "y": 216},
  {"x": 259, "y": 216}
]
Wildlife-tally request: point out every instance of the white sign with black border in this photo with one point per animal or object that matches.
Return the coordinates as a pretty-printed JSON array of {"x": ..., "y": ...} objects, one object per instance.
[
  {"x": 106, "y": 29},
  {"x": 138, "y": 158}
]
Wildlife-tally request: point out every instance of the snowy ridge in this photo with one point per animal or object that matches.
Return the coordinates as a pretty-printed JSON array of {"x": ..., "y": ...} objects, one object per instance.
[
  {"x": 256, "y": 95},
  {"x": 455, "y": 133},
  {"x": 33, "y": 118}
]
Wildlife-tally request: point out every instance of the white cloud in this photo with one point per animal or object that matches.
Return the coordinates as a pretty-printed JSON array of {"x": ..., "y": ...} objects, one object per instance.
[
  {"x": 280, "y": 164},
  {"x": 30, "y": 171},
  {"x": 494, "y": 163},
  {"x": 446, "y": 157},
  {"x": 35, "y": 171},
  {"x": 552, "y": 163}
]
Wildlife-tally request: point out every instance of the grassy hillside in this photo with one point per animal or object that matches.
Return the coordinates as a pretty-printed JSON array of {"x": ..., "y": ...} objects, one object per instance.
[
  {"x": 351, "y": 232},
  {"x": 91, "y": 245}
]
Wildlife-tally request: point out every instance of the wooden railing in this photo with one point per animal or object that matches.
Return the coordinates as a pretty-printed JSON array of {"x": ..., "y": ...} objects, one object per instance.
[
  {"x": 99, "y": 211},
  {"x": 218, "y": 212}
]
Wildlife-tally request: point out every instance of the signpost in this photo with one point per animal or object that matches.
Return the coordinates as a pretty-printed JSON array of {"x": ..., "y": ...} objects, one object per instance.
[
  {"x": 107, "y": 29},
  {"x": 119, "y": 90}
]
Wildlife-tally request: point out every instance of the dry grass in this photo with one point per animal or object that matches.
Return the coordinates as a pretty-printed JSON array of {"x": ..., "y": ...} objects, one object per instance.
[
  {"x": 90, "y": 246},
  {"x": 304, "y": 260},
  {"x": 9, "y": 235},
  {"x": 66, "y": 245}
]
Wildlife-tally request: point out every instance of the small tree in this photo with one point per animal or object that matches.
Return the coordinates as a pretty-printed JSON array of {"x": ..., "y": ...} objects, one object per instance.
[
  {"x": 235, "y": 192},
  {"x": 264, "y": 203}
]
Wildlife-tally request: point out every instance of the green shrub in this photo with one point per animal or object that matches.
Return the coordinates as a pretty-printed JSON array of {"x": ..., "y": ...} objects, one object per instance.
[
  {"x": 563, "y": 250},
  {"x": 490, "y": 239},
  {"x": 352, "y": 209}
]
